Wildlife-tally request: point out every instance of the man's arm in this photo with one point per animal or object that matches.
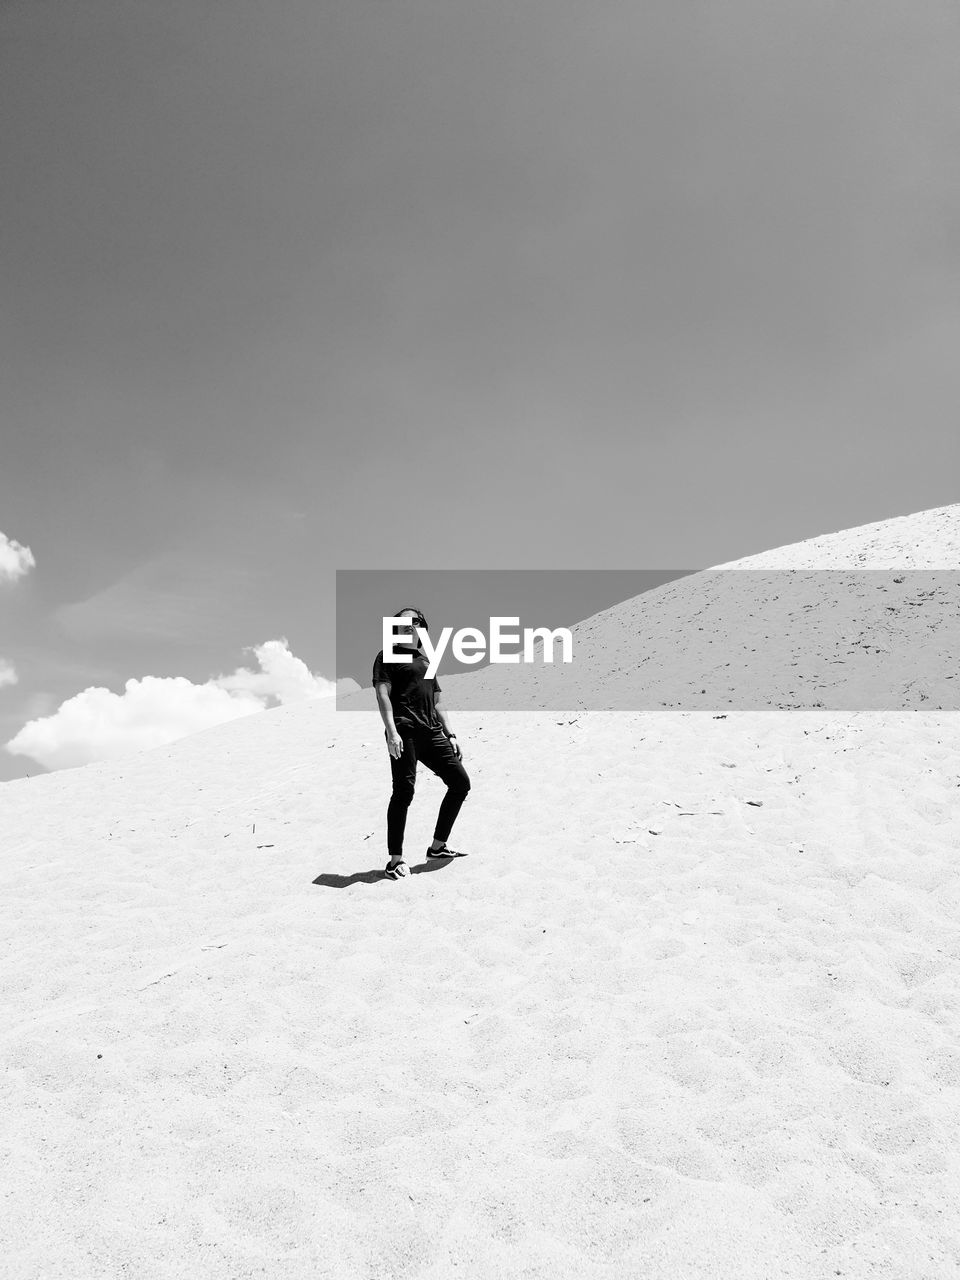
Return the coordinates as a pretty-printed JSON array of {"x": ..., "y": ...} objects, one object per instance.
[
  {"x": 442, "y": 714},
  {"x": 394, "y": 741},
  {"x": 382, "y": 691}
]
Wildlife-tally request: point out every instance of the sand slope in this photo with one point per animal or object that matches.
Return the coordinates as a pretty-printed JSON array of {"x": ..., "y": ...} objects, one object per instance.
[{"x": 689, "y": 1009}]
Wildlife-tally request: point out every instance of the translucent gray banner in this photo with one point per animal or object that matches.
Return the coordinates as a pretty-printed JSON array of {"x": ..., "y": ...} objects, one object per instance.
[{"x": 715, "y": 640}]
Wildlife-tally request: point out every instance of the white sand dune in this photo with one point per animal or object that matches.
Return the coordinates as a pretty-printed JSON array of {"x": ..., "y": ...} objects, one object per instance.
[{"x": 690, "y": 1008}]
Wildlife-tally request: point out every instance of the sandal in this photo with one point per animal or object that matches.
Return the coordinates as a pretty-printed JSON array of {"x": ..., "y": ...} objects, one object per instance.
[{"x": 396, "y": 869}]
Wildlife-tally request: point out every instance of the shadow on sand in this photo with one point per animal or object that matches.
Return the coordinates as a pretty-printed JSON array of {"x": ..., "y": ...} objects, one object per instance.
[{"x": 330, "y": 881}]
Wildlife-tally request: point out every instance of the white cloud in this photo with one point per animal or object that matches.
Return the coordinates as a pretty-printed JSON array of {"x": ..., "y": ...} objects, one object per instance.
[
  {"x": 15, "y": 561},
  {"x": 281, "y": 676},
  {"x": 98, "y": 724}
]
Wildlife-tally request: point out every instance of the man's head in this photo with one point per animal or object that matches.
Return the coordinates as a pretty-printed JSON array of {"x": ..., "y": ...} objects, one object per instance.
[{"x": 407, "y": 635}]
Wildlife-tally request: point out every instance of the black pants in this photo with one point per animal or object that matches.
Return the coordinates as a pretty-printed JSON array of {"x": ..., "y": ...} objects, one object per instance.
[{"x": 433, "y": 748}]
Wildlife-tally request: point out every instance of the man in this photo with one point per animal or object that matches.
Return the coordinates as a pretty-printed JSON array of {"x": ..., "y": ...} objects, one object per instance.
[{"x": 416, "y": 729}]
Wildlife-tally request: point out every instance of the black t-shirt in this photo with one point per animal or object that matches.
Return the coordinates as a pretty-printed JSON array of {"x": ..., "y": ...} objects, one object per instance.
[{"x": 412, "y": 695}]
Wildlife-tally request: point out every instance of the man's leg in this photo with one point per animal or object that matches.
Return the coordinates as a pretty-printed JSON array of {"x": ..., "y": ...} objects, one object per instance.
[
  {"x": 438, "y": 755},
  {"x": 404, "y": 773}
]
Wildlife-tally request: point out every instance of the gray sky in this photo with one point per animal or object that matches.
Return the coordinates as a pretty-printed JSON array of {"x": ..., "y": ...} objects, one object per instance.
[{"x": 293, "y": 286}]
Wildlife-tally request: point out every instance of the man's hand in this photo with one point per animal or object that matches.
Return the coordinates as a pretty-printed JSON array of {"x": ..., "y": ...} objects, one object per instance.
[
  {"x": 394, "y": 744},
  {"x": 456, "y": 747}
]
